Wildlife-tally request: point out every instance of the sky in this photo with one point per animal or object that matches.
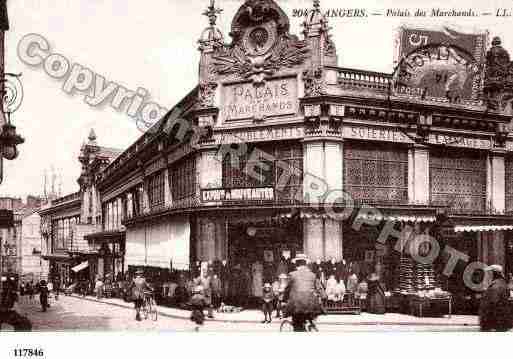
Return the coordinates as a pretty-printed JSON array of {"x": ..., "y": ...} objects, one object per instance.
[{"x": 153, "y": 45}]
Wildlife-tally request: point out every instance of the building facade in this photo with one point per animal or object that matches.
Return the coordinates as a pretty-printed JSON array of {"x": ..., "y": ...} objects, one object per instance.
[{"x": 261, "y": 159}]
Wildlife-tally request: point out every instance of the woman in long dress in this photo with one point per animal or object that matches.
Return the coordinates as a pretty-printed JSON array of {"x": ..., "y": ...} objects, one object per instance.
[{"x": 375, "y": 295}]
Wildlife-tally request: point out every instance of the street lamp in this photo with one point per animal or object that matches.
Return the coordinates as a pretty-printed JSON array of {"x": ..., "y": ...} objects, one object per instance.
[{"x": 12, "y": 94}]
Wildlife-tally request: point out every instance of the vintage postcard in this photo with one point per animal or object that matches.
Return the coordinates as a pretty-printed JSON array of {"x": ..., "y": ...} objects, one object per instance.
[{"x": 255, "y": 166}]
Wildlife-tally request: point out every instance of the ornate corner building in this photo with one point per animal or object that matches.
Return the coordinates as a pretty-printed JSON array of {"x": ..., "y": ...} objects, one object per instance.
[{"x": 242, "y": 169}]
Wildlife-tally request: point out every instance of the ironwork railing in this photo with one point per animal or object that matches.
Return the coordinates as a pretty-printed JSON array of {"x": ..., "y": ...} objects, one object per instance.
[{"x": 360, "y": 79}]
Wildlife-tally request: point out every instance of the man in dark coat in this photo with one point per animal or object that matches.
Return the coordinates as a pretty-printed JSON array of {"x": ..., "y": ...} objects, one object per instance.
[
  {"x": 139, "y": 287},
  {"x": 494, "y": 312},
  {"x": 302, "y": 294}
]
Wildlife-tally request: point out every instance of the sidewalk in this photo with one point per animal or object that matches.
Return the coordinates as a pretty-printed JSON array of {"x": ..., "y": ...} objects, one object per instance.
[{"x": 255, "y": 316}]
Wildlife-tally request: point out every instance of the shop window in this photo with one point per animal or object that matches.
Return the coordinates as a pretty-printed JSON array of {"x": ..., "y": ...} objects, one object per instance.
[
  {"x": 183, "y": 179},
  {"x": 264, "y": 166},
  {"x": 156, "y": 190},
  {"x": 376, "y": 173},
  {"x": 458, "y": 180}
]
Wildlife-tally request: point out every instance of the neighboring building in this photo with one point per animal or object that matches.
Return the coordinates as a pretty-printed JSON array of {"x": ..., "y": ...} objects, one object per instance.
[
  {"x": 14, "y": 239},
  {"x": 32, "y": 266},
  {"x": 435, "y": 155},
  {"x": 68, "y": 220}
]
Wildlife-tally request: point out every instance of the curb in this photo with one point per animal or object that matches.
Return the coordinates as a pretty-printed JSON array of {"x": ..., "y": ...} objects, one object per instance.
[{"x": 246, "y": 321}]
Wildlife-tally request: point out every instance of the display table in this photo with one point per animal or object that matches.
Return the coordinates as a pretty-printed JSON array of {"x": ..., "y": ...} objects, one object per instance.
[
  {"x": 419, "y": 306},
  {"x": 349, "y": 305}
]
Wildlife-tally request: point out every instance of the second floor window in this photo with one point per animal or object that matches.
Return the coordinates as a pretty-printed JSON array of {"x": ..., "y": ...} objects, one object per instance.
[
  {"x": 63, "y": 232},
  {"x": 156, "y": 190},
  {"x": 183, "y": 179}
]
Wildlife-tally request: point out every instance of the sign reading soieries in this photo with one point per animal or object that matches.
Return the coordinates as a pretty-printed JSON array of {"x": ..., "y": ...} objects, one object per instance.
[{"x": 275, "y": 97}]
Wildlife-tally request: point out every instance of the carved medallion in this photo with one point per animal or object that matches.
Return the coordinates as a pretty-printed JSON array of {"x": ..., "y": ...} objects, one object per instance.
[{"x": 261, "y": 43}]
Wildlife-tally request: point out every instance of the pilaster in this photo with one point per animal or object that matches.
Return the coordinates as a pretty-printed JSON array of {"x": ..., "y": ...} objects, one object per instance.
[
  {"x": 497, "y": 182},
  {"x": 418, "y": 175}
]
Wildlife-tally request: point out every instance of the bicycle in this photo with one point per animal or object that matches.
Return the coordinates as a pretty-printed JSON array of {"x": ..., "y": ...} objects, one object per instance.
[
  {"x": 149, "y": 306},
  {"x": 286, "y": 326}
]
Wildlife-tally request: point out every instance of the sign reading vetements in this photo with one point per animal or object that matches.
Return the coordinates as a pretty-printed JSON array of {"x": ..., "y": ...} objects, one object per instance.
[{"x": 273, "y": 98}]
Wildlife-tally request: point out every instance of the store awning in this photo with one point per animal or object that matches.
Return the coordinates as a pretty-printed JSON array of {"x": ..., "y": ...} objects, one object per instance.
[
  {"x": 476, "y": 228},
  {"x": 80, "y": 267},
  {"x": 106, "y": 237}
]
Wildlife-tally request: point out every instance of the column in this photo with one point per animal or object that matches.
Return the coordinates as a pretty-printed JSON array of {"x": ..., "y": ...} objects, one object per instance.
[
  {"x": 313, "y": 238},
  {"x": 498, "y": 182},
  {"x": 210, "y": 170},
  {"x": 95, "y": 200},
  {"x": 418, "y": 175},
  {"x": 313, "y": 169},
  {"x": 323, "y": 173},
  {"x": 146, "y": 200},
  {"x": 168, "y": 196},
  {"x": 85, "y": 205}
]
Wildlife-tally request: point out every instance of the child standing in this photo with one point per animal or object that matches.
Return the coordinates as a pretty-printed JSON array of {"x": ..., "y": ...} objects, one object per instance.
[
  {"x": 267, "y": 306},
  {"x": 198, "y": 304}
]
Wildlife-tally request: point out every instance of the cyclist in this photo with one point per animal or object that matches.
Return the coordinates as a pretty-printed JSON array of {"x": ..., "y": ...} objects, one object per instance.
[
  {"x": 301, "y": 294},
  {"x": 139, "y": 286}
]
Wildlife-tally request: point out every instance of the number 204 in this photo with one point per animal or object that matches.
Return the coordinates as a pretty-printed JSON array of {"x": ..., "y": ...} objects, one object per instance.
[{"x": 28, "y": 352}]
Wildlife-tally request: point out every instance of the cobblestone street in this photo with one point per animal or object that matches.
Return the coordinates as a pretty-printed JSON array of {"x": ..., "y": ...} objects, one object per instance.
[{"x": 71, "y": 313}]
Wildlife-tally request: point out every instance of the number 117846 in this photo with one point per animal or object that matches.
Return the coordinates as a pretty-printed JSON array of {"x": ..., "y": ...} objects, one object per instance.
[{"x": 28, "y": 352}]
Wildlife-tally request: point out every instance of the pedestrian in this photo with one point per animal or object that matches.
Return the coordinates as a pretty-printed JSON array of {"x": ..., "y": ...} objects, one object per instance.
[
  {"x": 57, "y": 288},
  {"x": 138, "y": 288},
  {"x": 30, "y": 291},
  {"x": 98, "y": 288},
  {"x": 43, "y": 295},
  {"x": 49, "y": 285},
  {"x": 198, "y": 304},
  {"x": 494, "y": 312},
  {"x": 267, "y": 302},
  {"x": 207, "y": 292},
  {"x": 216, "y": 288},
  {"x": 280, "y": 293},
  {"x": 375, "y": 295},
  {"x": 302, "y": 295}
]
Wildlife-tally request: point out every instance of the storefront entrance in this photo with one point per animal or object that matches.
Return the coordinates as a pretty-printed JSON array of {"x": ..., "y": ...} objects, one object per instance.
[{"x": 259, "y": 251}]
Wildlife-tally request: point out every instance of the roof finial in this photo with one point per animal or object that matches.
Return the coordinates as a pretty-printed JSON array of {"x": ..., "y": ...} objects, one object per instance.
[
  {"x": 92, "y": 135},
  {"x": 212, "y": 13}
]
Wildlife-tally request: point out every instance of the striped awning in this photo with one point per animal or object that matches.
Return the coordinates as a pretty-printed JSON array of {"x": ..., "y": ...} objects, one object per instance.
[
  {"x": 396, "y": 218},
  {"x": 477, "y": 228}
]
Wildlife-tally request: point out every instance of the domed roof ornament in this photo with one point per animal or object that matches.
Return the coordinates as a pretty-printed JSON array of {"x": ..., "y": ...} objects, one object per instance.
[{"x": 211, "y": 35}]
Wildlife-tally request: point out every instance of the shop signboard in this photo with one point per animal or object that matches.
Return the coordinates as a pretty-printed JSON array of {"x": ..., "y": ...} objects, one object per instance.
[
  {"x": 237, "y": 194},
  {"x": 460, "y": 141},
  {"x": 372, "y": 133},
  {"x": 275, "y": 97}
]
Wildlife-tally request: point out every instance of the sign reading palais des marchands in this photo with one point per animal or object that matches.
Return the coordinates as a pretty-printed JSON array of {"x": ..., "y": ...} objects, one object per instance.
[{"x": 275, "y": 97}]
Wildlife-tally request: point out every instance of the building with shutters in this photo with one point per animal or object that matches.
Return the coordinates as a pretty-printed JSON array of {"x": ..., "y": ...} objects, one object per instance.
[{"x": 248, "y": 169}]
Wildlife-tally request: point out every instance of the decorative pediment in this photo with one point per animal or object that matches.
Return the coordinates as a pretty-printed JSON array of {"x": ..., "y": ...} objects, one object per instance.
[{"x": 261, "y": 43}]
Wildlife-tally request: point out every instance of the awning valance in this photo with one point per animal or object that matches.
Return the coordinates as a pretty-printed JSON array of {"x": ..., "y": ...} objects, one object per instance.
[
  {"x": 487, "y": 228},
  {"x": 106, "y": 237},
  {"x": 80, "y": 267}
]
